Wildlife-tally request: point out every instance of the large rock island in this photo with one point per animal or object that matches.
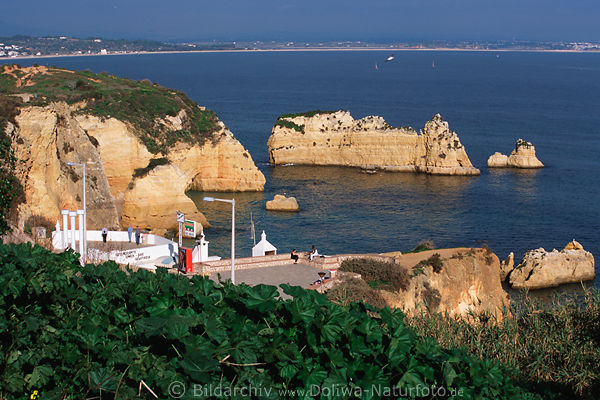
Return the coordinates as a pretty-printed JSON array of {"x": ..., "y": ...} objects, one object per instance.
[
  {"x": 335, "y": 138},
  {"x": 144, "y": 145}
]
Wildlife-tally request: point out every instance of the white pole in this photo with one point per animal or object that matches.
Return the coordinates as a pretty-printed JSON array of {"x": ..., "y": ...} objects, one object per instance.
[
  {"x": 233, "y": 241},
  {"x": 84, "y": 236},
  {"x": 65, "y": 230},
  {"x": 81, "y": 217},
  {"x": 73, "y": 214}
]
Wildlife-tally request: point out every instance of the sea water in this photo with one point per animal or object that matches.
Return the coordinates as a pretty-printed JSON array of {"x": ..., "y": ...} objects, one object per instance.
[{"x": 489, "y": 98}]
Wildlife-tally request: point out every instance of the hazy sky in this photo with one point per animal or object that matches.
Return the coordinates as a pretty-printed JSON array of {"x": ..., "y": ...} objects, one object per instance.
[{"x": 367, "y": 20}]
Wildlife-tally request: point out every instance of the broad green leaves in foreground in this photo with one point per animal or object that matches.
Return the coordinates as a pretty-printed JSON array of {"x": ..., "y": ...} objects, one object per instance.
[{"x": 73, "y": 332}]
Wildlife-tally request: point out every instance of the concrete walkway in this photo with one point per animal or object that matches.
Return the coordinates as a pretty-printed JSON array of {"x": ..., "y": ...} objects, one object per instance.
[{"x": 294, "y": 274}]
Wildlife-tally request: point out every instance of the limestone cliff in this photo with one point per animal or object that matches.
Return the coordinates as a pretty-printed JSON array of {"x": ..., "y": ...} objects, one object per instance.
[
  {"x": 335, "y": 138},
  {"x": 523, "y": 156},
  {"x": 468, "y": 282},
  {"x": 138, "y": 167}
]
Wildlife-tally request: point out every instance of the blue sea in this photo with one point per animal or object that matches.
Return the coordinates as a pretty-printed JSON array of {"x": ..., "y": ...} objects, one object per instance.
[{"x": 490, "y": 99}]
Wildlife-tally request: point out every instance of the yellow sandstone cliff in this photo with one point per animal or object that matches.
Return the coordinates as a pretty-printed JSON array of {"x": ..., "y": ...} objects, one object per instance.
[
  {"x": 338, "y": 139},
  {"x": 48, "y": 137}
]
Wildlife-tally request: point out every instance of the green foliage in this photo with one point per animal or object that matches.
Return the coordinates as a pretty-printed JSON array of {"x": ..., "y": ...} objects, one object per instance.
[
  {"x": 382, "y": 275},
  {"x": 73, "y": 332},
  {"x": 139, "y": 103},
  {"x": 423, "y": 246},
  {"x": 38, "y": 220},
  {"x": 284, "y": 122},
  {"x": 435, "y": 261},
  {"x": 356, "y": 290},
  {"x": 153, "y": 163},
  {"x": 307, "y": 114},
  {"x": 553, "y": 349},
  {"x": 11, "y": 191}
]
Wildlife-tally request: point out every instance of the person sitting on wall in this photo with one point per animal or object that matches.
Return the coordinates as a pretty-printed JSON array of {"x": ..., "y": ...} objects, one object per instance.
[
  {"x": 294, "y": 256},
  {"x": 313, "y": 253}
]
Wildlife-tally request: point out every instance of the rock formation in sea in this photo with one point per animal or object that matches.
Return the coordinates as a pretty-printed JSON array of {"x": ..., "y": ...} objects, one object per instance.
[
  {"x": 507, "y": 266},
  {"x": 282, "y": 203},
  {"x": 144, "y": 145},
  {"x": 523, "y": 156},
  {"x": 542, "y": 269},
  {"x": 335, "y": 138}
]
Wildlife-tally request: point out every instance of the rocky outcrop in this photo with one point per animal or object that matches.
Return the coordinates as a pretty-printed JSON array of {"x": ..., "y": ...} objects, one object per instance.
[
  {"x": 523, "y": 156},
  {"x": 48, "y": 137},
  {"x": 467, "y": 283},
  {"x": 282, "y": 203},
  {"x": 543, "y": 269},
  {"x": 370, "y": 143},
  {"x": 497, "y": 160},
  {"x": 507, "y": 266}
]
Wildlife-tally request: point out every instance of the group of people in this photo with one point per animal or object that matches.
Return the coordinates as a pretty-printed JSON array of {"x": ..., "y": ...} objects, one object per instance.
[
  {"x": 138, "y": 234},
  {"x": 313, "y": 253}
]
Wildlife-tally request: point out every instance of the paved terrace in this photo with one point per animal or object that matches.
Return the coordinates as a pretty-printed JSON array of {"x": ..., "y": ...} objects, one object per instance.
[{"x": 277, "y": 269}]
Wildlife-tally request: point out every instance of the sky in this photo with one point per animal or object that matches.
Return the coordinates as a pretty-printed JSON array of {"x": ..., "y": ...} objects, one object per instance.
[{"x": 311, "y": 20}]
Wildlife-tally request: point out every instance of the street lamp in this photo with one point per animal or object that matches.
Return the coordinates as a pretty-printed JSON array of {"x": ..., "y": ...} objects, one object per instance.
[
  {"x": 232, "y": 202},
  {"x": 70, "y": 163}
]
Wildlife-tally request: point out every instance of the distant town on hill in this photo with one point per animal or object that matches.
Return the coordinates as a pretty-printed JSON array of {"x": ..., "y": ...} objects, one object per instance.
[{"x": 27, "y": 46}]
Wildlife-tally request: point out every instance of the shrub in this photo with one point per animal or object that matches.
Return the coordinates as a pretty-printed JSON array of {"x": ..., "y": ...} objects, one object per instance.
[
  {"x": 385, "y": 275},
  {"x": 153, "y": 163},
  {"x": 435, "y": 261},
  {"x": 290, "y": 125},
  {"x": 423, "y": 246},
  {"x": 38, "y": 220},
  {"x": 355, "y": 290}
]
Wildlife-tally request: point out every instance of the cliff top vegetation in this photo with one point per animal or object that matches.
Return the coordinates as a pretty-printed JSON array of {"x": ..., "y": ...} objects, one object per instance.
[
  {"x": 139, "y": 103},
  {"x": 284, "y": 121}
]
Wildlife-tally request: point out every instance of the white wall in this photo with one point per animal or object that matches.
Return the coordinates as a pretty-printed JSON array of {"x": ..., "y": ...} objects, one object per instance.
[{"x": 113, "y": 236}]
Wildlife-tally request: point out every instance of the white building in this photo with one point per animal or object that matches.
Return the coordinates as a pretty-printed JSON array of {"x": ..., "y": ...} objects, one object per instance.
[{"x": 263, "y": 248}]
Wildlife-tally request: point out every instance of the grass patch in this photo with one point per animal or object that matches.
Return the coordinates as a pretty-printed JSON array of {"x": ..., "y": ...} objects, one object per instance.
[
  {"x": 382, "y": 275},
  {"x": 554, "y": 350},
  {"x": 307, "y": 114}
]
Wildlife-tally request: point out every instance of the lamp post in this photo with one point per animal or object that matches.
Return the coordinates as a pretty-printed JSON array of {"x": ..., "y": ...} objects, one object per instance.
[
  {"x": 232, "y": 202},
  {"x": 83, "y": 256}
]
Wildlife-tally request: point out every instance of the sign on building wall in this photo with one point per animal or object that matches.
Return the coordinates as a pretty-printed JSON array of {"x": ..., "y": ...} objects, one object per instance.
[{"x": 189, "y": 228}]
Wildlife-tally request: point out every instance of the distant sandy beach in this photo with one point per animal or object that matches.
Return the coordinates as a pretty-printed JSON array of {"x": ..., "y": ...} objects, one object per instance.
[{"x": 304, "y": 50}]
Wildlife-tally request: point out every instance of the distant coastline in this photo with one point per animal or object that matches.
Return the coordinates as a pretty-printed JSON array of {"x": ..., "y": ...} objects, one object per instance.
[{"x": 446, "y": 49}]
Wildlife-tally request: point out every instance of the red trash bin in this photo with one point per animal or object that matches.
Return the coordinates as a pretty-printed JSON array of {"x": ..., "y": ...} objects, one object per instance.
[{"x": 185, "y": 260}]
